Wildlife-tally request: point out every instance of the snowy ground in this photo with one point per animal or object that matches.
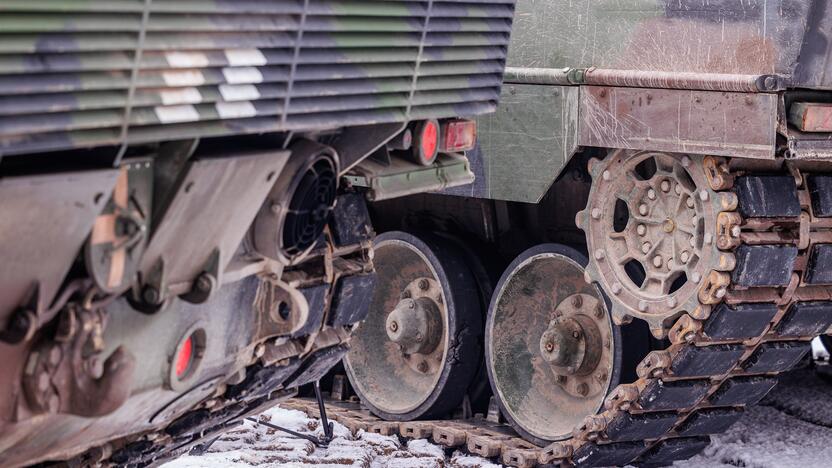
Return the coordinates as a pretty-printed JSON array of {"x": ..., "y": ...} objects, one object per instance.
[{"x": 793, "y": 427}]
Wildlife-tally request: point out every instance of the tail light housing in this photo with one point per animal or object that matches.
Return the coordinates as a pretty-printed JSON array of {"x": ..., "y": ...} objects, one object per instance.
[{"x": 458, "y": 135}]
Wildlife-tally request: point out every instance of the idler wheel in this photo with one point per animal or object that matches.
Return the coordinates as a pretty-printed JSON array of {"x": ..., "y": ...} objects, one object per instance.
[
  {"x": 551, "y": 349},
  {"x": 417, "y": 351}
]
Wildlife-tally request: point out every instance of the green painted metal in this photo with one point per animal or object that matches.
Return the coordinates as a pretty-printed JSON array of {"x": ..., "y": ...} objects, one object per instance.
[{"x": 222, "y": 67}]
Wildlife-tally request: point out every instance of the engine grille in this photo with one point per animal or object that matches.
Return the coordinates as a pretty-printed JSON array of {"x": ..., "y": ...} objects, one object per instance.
[{"x": 108, "y": 72}]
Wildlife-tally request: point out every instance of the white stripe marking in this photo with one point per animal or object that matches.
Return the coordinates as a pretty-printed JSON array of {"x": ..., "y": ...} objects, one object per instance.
[
  {"x": 245, "y": 57},
  {"x": 186, "y": 59},
  {"x": 244, "y": 92},
  {"x": 181, "y": 96},
  {"x": 183, "y": 78},
  {"x": 174, "y": 114},
  {"x": 236, "y": 110},
  {"x": 242, "y": 75}
]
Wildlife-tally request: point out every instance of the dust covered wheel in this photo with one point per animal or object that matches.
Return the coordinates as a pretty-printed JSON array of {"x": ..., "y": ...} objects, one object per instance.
[
  {"x": 416, "y": 352},
  {"x": 552, "y": 351}
]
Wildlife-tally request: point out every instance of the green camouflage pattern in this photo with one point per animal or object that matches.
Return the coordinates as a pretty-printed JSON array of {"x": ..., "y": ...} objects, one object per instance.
[
  {"x": 682, "y": 39},
  {"x": 79, "y": 74}
]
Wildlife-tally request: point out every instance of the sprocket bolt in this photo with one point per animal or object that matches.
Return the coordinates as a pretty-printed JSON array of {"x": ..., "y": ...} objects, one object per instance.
[
  {"x": 645, "y": 247},
  {"x": 641, "y": 229},
  {"x": 665, "y": 185},
  {"x": 642, "y": 209},
  {"x": 651, "y": 194}
]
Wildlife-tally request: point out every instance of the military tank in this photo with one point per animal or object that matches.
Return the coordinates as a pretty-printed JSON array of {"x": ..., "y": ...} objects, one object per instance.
[
  {"x": 185, "y": 238},
  {"x": 645, "y": 248}
]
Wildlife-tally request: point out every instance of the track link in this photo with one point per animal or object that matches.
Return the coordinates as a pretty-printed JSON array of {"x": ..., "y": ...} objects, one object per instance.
[{"x": 751, "y": 323}]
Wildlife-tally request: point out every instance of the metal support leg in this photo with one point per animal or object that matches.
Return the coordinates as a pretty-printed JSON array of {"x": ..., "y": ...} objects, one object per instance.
[
  {"x": 322, "y": 410},
  {"x": 315, "y": 440}
]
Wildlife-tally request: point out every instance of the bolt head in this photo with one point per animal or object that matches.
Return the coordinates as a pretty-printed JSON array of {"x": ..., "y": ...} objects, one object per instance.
[
  {"x": 424, "y": 284},
  {"x": 696, "y": 277},
  {"x": 641, "y": 229},
  {"x": 709, "y": 238},
  {"x": 689, "y": 202},
  {"x": 703, "y": 195},
  {"x": 596, "y": 213},
  {"x": 549, "y": 347},
  {"x": 684, "y": 256},
  {"x": 642, "y": 209},
  {"x": 665, "y": 186},
  {"x": 645, "y": 247},
  {"x": 657, "y": 261},
  {"x": 720, "y": 293},
  {"x": 651, "y": 194},
  {"x": 394, "y": 326},
  {"x": 599, "y": 254},
  {"x": 735, "y": 231},
  {"x": 423, "y": 366},
  {"x": 616, "y": 288},
  {"x": 671, "y": 301},
  {"x": 606, "y": 175},
  {"x": 685, "y": 161},
  {"x": 577, "y": 302},
  {"x": 642, "y": 306},
  {"x": 583, "y": 389}
]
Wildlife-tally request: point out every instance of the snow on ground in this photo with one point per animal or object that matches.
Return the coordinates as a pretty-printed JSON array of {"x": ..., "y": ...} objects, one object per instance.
[{"x": 793, "y": 427}]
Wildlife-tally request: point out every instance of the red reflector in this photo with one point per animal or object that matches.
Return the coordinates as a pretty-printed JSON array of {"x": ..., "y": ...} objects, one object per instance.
[
  {"x": 811, "y": 116},
  {"x": 459, "y": 135},
  {"x": 183, "y": 359},
  {"x": 429, "y": 140}
]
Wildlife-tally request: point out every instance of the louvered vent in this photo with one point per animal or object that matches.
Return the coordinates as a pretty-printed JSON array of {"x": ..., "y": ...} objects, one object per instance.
[{"x": 79, "y": 74}]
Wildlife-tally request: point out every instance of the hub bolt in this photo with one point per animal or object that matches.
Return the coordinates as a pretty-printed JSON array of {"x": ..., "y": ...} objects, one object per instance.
[
  {"x": 583, "y": 389},
  {"x": 651, "y": 194},
  {"x": 606, "y": 175},
  {"x": 657, "y": 261},
  {"x": 689, "y": 202},
  {"x": 703, "y": 195},
  {"x": 684, "y": 256},
  {"x": 596, "y": 213},
  {"x": 394, "y": 326},
  {"x": 423, "y": 284},
  {"x": 550, "y": 346},
  {"x": 678, "y": 189},
  {"x": 642, "y": 209},
  {"x": 577, "y": 302},
  {"x": 665, "y": 185},
  {"x": 645, "y": 247},
  {"x": 423, "y": 366},
  {"x": 641, "y": 229}
]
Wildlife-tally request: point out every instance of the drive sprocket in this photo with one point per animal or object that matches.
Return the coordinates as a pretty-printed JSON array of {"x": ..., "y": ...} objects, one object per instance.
[{"x": 649, "y": 223}]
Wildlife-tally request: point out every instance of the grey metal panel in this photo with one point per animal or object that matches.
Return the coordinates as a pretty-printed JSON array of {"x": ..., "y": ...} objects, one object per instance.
[
  {"x": 52, "y": 216},
  {"x": 525, "y": 144},
  {"x": 213, "y": 208},
  {"x": 701, "y": 122}
]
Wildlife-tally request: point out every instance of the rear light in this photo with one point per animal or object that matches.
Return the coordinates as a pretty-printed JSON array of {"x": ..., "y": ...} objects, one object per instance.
[
  {"x": 458, "y": 135},
  {"x": 183, "y": 359},
  {"x": 811, "y": 116},
  {"x": 425, "y": 142}
]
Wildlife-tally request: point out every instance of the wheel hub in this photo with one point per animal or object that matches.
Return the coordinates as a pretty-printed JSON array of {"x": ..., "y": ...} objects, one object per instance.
[
  {"x": 649, "y": 222},
  {"x": 416, "y": 324}
]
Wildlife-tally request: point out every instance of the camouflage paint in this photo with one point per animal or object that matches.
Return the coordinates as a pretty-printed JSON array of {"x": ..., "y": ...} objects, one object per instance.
[
  {"x": 222, "y": 67},
  {"x": 721, "y": 39}
]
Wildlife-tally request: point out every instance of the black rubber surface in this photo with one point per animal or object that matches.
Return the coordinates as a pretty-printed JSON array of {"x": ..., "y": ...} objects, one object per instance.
[
  {"x": 742, "y": 390},
  {"x": 764, "y": 265},
  {"x": 767, "y": 196},
  {"x": 661, "y": 395},
  {"x": 705, "y": 361},
  {"x": 739, "y": 322}
]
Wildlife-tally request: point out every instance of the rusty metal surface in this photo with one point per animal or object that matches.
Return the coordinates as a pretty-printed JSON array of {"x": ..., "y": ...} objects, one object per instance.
[
  {"x": 43, "y": 233},
  {"x": 727, "y": 124}
]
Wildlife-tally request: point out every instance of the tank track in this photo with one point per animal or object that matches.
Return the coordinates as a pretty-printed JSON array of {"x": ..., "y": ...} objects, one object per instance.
[{"x": 754, "y": 320}]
